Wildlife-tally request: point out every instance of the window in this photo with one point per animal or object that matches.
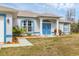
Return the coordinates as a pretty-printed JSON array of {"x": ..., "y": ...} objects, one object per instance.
[
  {"x": 66, "y": 28},
  {"x": 24, "y": 23},
  {"x": 27, "y": 24},
  {"x": 30, "y": 27}
]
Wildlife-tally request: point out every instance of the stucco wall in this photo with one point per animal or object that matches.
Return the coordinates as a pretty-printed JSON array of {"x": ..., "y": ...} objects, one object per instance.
[
  {"x": 9, "y": 27},
  {"x": 65, "y": 28},
  {"x": 36, "y": 26},
  {"x": 1, "y": 28},
  {"x": 19, "y": 21},
  {"x": 53, "y": 26},
  {"x": 35, "y": 21},
  {"x": 61, "y": 26},
  {"x": 9, "y": 24}
]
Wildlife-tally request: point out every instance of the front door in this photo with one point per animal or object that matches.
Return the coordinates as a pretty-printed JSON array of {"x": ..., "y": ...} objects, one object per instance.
[{"x": 46, "y": 28}]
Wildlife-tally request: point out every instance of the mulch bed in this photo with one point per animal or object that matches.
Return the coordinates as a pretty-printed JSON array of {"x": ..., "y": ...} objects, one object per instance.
[{"x": 14, "y": 41}]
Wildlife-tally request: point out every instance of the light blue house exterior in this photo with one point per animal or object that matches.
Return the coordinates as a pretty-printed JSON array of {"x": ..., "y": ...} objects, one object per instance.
[
  {"x": 42, "y": 24},
  {"x": 6, "y": 17},
  {"x": 36, "y": 24}
]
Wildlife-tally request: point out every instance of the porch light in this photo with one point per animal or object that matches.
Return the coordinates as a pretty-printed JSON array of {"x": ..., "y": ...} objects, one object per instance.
[{"x": 8, "y": 21}]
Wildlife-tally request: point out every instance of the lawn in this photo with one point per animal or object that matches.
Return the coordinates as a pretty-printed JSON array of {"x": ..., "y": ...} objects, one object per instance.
[{"x": 54, "y": 46}]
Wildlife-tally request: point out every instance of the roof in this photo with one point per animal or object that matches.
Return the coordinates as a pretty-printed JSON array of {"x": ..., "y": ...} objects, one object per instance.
[
  {"x": 33, "y": 14},
  {"x": 48, "y": 15},
  {"x": 63, "y": 20},
  {"x": 27, "y": 14},
  {"x": 6, "y": 9}
]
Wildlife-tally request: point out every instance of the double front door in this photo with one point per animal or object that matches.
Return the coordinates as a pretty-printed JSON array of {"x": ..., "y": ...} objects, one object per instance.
[{"x": 46, "y": 28}]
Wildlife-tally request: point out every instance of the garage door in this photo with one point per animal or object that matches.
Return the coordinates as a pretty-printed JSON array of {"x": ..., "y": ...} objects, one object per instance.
[{"x": 1, "y": 28}]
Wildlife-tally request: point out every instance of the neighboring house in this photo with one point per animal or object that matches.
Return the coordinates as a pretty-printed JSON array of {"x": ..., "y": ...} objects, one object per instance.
[{"x": 37, "y": 24}]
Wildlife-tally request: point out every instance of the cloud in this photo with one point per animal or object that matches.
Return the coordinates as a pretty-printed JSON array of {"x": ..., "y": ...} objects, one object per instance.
[{"x": 61, "y": 5}]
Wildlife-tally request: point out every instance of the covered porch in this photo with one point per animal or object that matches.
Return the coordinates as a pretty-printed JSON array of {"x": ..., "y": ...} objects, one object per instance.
[{"x": 49, "y": 26}]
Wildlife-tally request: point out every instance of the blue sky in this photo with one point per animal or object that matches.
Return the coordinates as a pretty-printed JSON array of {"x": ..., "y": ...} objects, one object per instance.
[{"x": 56, "y": 8}]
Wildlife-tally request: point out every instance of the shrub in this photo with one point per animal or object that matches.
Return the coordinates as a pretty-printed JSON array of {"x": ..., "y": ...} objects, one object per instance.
[
  {"x": 75, "y": 27},
  {"x": 28, "y": 34},
  {"x": 60, "y": 32},
  {"x": 17, "y": 31}
]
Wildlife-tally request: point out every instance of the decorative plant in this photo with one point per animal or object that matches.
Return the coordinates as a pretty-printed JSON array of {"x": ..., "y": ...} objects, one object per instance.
[
  {"x": 60, "y": 32},
  {"x": 17, "y": 31}
]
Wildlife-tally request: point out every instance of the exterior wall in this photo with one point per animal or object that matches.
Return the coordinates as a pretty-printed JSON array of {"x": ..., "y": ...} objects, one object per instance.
[
  {"x": 36, "y": 27},
  {"x": 61, "y": 25},
  {"x": 19, "y": 21},
  {"x": 14, "y": 22},
  {"x": 9, "y": 27},
  {"x": 1, "y": 28},
  {"x": 6, "y": 27},
  {"x": 53, "y": 27},
  {"x": 65, "y": 28},
  {"x": 35, "y": 24}
]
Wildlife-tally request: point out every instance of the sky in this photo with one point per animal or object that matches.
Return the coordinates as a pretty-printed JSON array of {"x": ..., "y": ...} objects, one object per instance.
[{"x": 56, "y": 8}]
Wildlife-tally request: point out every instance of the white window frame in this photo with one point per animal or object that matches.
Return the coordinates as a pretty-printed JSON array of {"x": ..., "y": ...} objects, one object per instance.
[{"x": 27, "y": 25}]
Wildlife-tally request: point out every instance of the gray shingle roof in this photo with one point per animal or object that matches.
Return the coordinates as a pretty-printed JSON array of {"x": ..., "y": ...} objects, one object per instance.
[{"x": 33, "y": 14}]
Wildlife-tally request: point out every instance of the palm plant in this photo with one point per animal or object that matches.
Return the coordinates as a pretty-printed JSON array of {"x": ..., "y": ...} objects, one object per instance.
[{"x": 17, "y": 31}]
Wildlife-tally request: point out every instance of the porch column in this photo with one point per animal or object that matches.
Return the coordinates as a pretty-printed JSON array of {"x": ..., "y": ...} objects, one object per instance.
[
  {"x": 57, "y": 27},
  {"x": 41, "y": 20}
]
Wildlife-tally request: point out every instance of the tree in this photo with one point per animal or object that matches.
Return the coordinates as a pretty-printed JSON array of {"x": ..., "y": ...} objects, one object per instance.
[
  {"x": 75, "y": 27},
  {"x": 70, "y": 14}
]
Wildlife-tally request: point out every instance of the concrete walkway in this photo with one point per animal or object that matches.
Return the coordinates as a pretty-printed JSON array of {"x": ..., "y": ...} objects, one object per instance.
[{"x": 22, "y": 42}]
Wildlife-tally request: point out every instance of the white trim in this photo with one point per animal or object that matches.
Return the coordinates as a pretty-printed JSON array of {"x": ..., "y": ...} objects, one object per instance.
[
  {"x": 27, "y": 24},
  {"x": 41, "y": 20},
  {"x": 57, "y": 27}
]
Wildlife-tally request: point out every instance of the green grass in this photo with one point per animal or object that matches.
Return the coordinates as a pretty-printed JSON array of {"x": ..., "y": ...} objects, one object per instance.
[{"x": 56, "y": 46}]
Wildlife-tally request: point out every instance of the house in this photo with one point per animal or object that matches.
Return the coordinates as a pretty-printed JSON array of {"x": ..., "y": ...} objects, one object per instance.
[
  {"x": 6, "y": 17},
  {"x": 43, "y": 24}
]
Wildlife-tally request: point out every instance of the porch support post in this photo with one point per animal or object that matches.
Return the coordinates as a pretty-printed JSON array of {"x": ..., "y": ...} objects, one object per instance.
[
  {"x": 57, "y": 27},
  {"x": 41, "y": 21}
]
